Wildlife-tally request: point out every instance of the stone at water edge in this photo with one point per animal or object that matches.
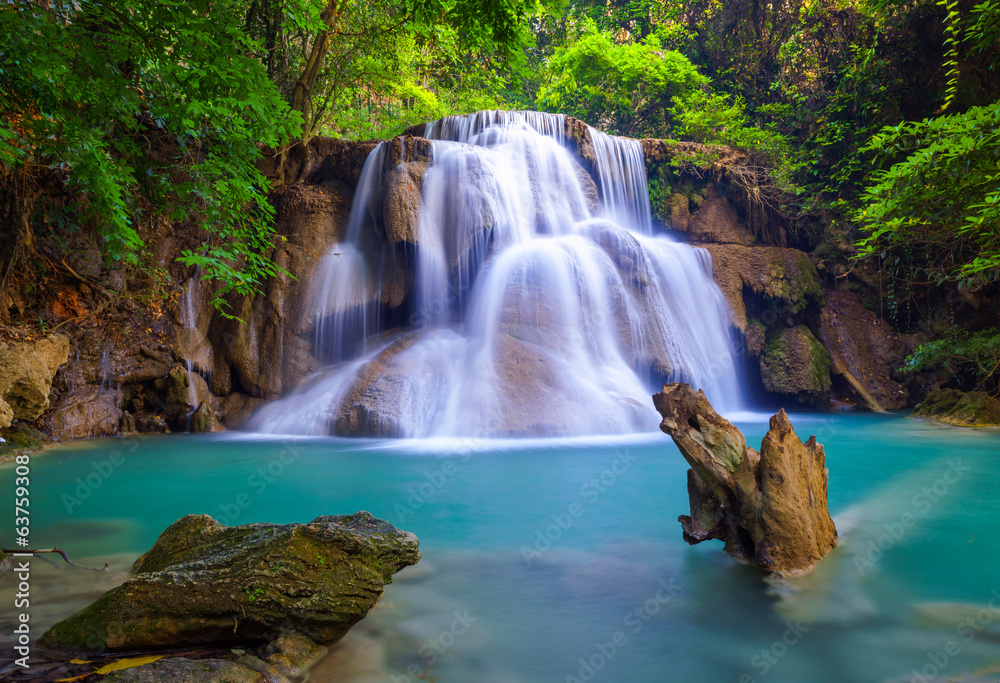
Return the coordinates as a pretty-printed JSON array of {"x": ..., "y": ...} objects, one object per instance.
[
  {"x": 961, "y": 409},
  {"x": 182, "y": 670},
  {"x": 203, "y": 583},
  {"x": 769, "y": 507}
]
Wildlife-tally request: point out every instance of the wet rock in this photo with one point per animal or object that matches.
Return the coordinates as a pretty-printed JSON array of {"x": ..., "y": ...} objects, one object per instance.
[
  {"x": 87, "y": 413},
  {"x": 183, "y": 670},
  {"x": 756, "y": 339},
  {"x": 525, "y": 369},
  {"x": 238, "y": 407},
  {"x": 406, "y": 149},
  {"x": 768, "y": 507},
  {"x": 863, "y": 350},
  {"x": 714, "y": 220},
  {"x": 795, "y": 363},
  {"x": 26, "y": 373},
  {"x": 294, "y": 654},
  {"x": 151, "y": 424},
  {"x": 401, "y": 205},
  {"x": 184, "y": 393},
  {"x": 371, "y": 408},
  {"x": 579, "y": 142},
  {"x": 962, "y": 409},
  {"x": 127, "y": 426},
  {"x": 205, "y": 583},
  {"x": 204, "y": 421},
  {"x": 269, "y": 672},
  {"x": 313, "y": 212},
  {"x": 184, "y": 389},
  {"x": 785, "y": 278}
]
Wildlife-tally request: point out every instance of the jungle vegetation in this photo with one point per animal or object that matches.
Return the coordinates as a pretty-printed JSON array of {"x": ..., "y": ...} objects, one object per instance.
[{"x": 880, "y": 116}]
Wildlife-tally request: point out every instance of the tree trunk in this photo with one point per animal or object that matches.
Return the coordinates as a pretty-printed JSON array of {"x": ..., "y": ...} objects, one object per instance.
[{"x": 303, "y": 90}]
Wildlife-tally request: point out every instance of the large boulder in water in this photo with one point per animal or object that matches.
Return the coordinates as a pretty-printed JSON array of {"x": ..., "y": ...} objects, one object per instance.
[
  {"x": 769, "y": 507},
  {"x": 372, "y": 405},
  {"x": 205, "y": 583}
]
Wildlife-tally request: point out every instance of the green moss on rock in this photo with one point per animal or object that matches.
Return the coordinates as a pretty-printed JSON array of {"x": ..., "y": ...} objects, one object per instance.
[
  {"x": 205, "y": 583},
  {"x": 19, "y": 439},
  {"x": 950, "y": 406},
  {"x": 795, "y": 363}
]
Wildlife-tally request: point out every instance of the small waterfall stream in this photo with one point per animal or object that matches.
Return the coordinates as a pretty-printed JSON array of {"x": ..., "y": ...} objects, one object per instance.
[{"x": 531, "y": 314}]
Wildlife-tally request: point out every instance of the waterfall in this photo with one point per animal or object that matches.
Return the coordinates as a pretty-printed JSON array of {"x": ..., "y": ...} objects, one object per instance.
[
  {"x": 531, "y": 313},
  {"x": 197, "y": 350},
  {"x": 621, "y": 171},
  {"x": 342, "y": 293}
]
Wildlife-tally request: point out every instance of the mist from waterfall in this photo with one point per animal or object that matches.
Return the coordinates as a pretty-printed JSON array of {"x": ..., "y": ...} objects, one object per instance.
[{"x": 532, "y": 314}]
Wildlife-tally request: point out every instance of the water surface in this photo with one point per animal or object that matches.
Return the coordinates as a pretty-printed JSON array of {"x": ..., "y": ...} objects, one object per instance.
[{"x": 563, "y": 560}]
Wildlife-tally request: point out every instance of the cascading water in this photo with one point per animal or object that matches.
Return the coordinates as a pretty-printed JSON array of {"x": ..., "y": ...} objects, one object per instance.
[{"x": 531, "y": 314}]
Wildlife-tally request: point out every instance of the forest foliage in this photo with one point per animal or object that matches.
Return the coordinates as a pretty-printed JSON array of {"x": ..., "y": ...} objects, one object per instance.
[{"x": 882, "y": 113}]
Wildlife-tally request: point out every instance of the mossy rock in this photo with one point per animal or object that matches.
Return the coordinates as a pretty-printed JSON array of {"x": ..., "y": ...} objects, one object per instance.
[
  {"x": 19, "y": 438},
  {"x": 950, "y": 406},
  {"x": 204, "y": 583},
  {"x": 795, "y": 363},
  {"x": 182, "y": 670}
]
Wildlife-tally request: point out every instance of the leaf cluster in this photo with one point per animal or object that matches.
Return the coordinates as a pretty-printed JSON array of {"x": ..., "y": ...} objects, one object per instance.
[
  {"x": 976, "y": 353},
  {"x": 142, "y": 109},
  {"x": 944, "y": 196},
  {"x": 627, "y": 88}
]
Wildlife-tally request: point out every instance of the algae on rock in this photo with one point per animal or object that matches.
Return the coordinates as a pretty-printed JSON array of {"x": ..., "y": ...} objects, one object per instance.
[
  {"x": 205, "y": 583},
  {"x": 795, "y": 363},
  {"x": 961, "y": 409}
]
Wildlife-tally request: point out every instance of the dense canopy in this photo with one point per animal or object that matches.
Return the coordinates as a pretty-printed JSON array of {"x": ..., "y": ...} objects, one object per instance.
[{"x": 878, "y": 118}]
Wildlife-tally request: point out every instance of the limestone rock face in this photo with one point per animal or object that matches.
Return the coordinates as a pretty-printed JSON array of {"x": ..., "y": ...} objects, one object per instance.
[
  {"x": 769, "y": 507},
  {"x": 238, "y": 407},
  {"x": 308, "y": 220},
  {"x": 401, "y": 206},
  {"x": 863, "y": 349},
  {"x": 714, "y": 221},
  {"x": 785, "y": 277},
  {"x": 88, "y": 413},
  {"x": 972, "y": 409},
  {"x": 26, "y": 372},
  {"x": 205, "y": 583},
  {"x": 370, "y": 407},
  {"x": 794, "y": 363},
  {"x": 578, "y": 140}
]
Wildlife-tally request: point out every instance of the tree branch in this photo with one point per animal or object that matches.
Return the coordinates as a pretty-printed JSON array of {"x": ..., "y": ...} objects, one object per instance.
[{"x": 12, "y": 551}]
